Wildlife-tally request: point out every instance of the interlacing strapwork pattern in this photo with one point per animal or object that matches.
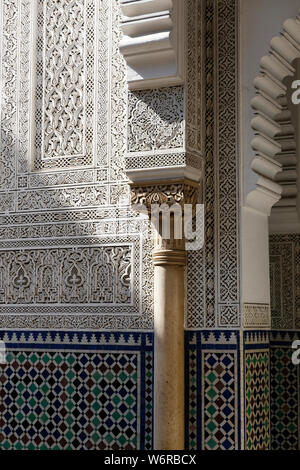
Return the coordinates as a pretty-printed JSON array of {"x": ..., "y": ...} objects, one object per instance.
[
  {"x": 64, "y": 91},
  {"x": 65, "y": 71},
  {"x": 156, "y": 119}
]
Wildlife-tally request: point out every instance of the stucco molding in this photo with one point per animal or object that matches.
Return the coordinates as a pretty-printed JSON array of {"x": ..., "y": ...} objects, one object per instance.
[
  {"x": 275, "y": 140},
  {"x": 153, "y": 42}
]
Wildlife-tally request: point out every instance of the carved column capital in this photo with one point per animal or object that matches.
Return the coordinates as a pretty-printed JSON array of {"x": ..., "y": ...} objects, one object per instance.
[
  {"x": 165, "y": 192},
  {"x": 168, "y": 250}
]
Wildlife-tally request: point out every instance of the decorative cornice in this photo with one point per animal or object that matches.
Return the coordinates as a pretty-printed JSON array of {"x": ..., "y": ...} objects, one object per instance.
[
  {"x": 153, "y": 42},
  {"x": 275, "y": 142}
]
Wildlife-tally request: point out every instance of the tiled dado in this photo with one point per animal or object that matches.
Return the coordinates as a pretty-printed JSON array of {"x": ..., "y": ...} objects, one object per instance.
[
  {"x": 213, "y": 387},
  {"x": 285, "y": 392},
  {"x": 66, "y": 390},
  {"x": 257, "y": 390},
  {"x": 228, "y": 387}
]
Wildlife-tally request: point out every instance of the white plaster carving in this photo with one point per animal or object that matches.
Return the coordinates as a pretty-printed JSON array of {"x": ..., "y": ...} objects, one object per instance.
[
  {"x": 156, "y": 120},
  {"x": 93, "y": 275},
  {"x": 256, "y": 316},
  {"x": 153, "y": 42},
  {"x": 275, "y": 142},
  {"x": 165, "y": 125},
  {"x": 64, "y": 92},
  {"x": 213, "y": 273},
  {"x": 61, "y": 195}
]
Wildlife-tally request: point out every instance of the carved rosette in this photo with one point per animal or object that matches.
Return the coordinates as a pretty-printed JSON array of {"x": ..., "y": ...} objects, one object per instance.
[{"x": 167, "y": 251}]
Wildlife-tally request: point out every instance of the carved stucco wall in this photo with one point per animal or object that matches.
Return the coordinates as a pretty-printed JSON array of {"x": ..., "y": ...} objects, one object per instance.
[
  {"x": 285, "y": 281},
  {"x": 69, "y": 182},
  {"x": 60, "y": 193},
  {"x": 63, "y": 140},
  {"x": 73, "y": 256},
  {"x": 213, "y": 273}
]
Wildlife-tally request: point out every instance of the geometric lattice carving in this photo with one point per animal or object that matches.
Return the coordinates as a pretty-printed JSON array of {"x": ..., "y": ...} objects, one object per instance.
[
  {"x": 285, "y": 281},
  {"x": 213, "y": 301}
]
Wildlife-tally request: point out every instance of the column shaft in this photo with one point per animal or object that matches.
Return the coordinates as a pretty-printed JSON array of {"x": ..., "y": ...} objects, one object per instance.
[{"x": 169, "y": 356}]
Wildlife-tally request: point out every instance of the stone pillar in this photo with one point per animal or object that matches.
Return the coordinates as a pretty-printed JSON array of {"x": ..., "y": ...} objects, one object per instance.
[
  {"x": 169, "y": 294},
  {"x": 169, "y": 258}
]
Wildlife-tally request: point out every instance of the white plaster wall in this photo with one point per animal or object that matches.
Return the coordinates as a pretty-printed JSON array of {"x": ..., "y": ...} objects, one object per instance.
[{"x": 260, "y": 21}]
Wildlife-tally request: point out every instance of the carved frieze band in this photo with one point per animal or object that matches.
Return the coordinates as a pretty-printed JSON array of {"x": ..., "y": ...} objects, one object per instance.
[
  {"x": 165, "y": 192},
  {"x": 256, "y": 316}
]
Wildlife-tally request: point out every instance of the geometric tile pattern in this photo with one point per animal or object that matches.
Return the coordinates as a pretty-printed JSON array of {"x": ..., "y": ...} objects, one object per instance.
[
  {"x": 62, "y": 400},
  {"x": 219, "y": 400},
  {"x": 192, "y": 400},
  {"x": 284, "y": 392},
  {"x": 213, "y": 384},
  {"x": 284, "y": 400},
  {"x": 213, "y": 390},
  {"x": 72, "y": 397},
  {"x": 148, "y": 431},
  {"x": 257, "y": 400}
]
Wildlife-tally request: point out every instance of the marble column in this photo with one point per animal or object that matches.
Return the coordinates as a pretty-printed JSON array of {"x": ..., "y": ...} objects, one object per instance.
[{"x": 169, "y": 258}]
